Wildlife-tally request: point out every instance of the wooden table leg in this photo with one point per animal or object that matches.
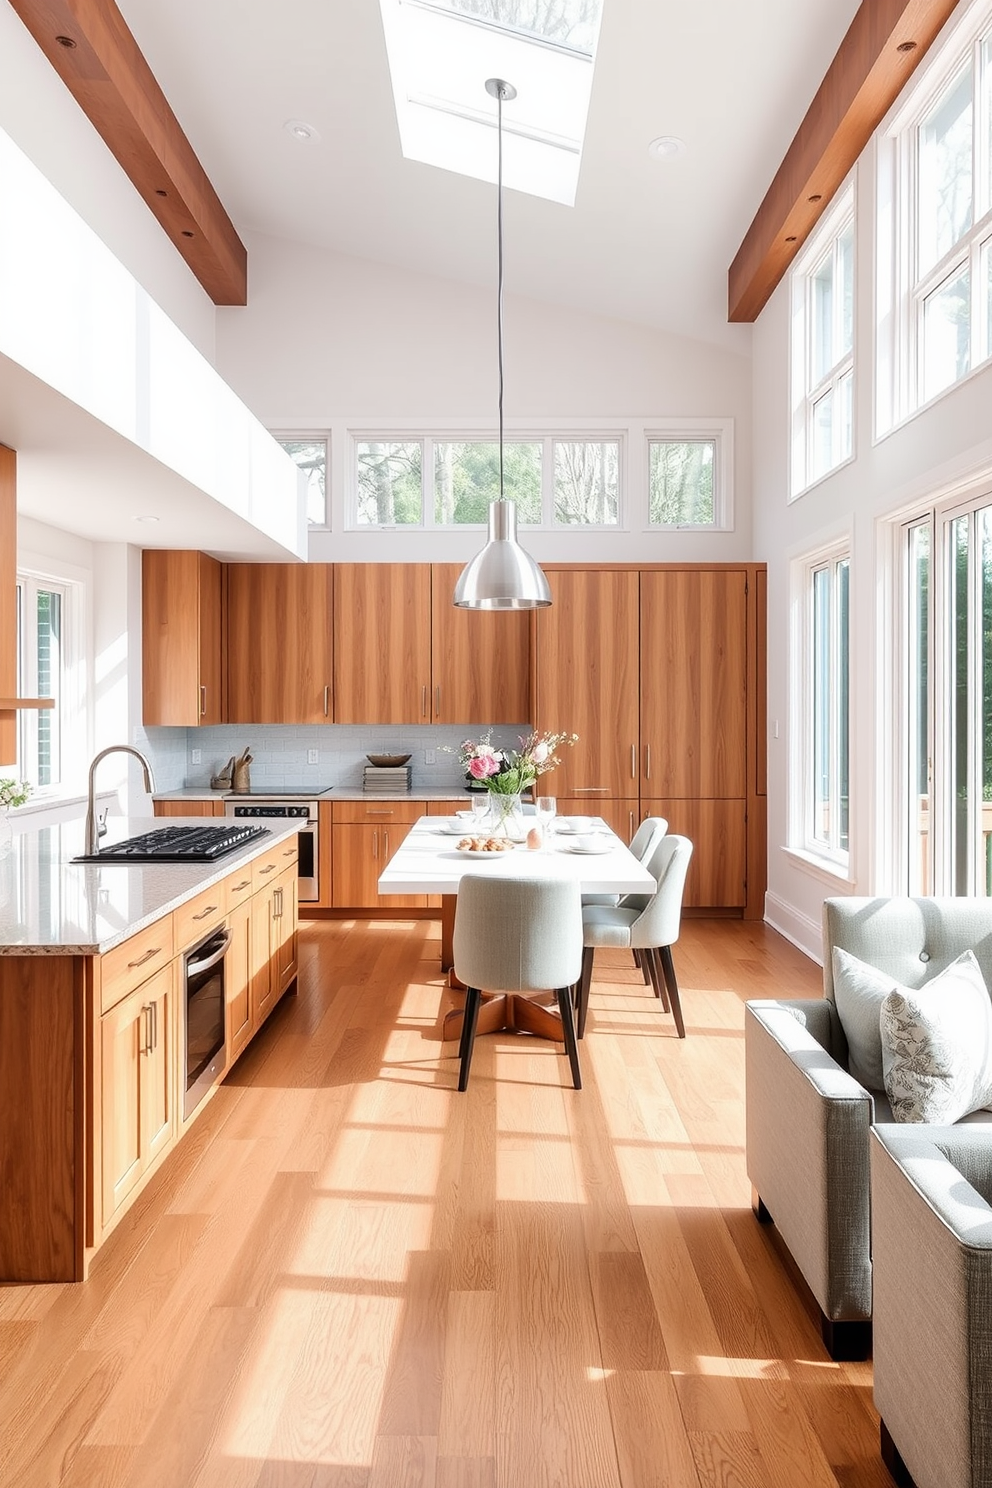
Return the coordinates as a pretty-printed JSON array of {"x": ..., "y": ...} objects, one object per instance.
[{"x": 511, "y": 1011}]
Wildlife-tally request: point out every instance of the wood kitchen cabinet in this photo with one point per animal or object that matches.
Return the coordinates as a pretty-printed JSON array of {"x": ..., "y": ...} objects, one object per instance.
[
  {"x": 588, "y": 682},
  {"x": 189, "y": 808},
  {"x": 238, "y": 972},
  {"x": 718, "y": 831},
  {"x": 366, "y": 834},
  {"x": 480, "y": 660},
  {"x": 382, "y": 656},
  {"x": 280, "y": 652},
  {"x": 138, "y": 1080},
  {"x": 181, "y": 638},
  {"x": 622, "y": 816},
  {"x": 273, "y": 944}
]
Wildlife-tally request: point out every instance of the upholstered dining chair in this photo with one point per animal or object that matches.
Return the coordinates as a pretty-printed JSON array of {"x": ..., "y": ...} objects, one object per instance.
[
  {"x": 648, "y": 924},
  {"x": 517, "y": 935},
  {"x": 642, "y": 845}
]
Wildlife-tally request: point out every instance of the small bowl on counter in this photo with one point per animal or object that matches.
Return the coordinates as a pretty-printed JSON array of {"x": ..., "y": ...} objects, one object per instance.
[{"x": 388, "y": 761}]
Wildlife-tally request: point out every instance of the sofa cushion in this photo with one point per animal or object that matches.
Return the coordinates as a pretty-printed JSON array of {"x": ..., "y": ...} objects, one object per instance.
[
  {"x": 859, "y": 991},
  {"x": 937, "y": 1045}
]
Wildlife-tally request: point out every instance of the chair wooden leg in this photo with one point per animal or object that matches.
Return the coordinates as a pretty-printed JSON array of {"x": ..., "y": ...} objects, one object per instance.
[
  {"x": 583, "y": 999},
  {"x": 564, "y": 996},
  {"x": 668, "y": 966},
  {"x": 470, "y": 1017},
  {"x": 657, "y": 980},
  {"x": 640, "y": 961}
]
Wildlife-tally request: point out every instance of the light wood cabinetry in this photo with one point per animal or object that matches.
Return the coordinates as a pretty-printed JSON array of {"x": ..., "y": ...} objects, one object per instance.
[
  {"x": 280, "y": 653},
  {"x": 189, "y": 808},
  {"x": 274, "y": 954},
  {"x": 238, "y": 968},
  {"x": 366, "y": 834},
  {"x": 480, "y": 660},
  {"x": 382, "y": 657},
  {"x": 138, "y": 1083},
  {"x": 718, "y": 831},
  {"x": 588, "y": 681},
  {"x": 181, "y": 638},
  {"x": 622, "y": 816}
]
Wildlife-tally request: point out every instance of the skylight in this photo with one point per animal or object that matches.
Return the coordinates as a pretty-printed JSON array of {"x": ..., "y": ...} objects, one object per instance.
[{"x": 442, "y": 51}]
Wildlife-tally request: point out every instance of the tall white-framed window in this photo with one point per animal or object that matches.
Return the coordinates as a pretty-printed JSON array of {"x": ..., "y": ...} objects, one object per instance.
[
  {"x": 934, "y": 226},
  {"x": 444, "y": 481},
  {"x": 822, "y": 285},
  {"x": 946, "y": 713},
  {"x": 52, "y": 742},
  {"x": 821, "y": 714},
  {"x": 310, "y": 453}
]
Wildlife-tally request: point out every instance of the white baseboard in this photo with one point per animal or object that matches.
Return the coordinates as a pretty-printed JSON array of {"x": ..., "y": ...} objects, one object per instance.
[{"x": 803, "y": 932}]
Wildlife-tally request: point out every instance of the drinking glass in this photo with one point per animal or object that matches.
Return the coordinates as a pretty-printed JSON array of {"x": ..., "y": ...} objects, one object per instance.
[
  {"x": 480, "y": 811},
  {"x": 546, "y": 808}
]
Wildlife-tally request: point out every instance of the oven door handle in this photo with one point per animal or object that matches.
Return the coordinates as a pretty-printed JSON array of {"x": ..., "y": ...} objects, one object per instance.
[{"x": 193, "y": 968}]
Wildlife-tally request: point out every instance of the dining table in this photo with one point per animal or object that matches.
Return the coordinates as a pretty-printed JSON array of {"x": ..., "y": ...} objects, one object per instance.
[{"x": 430, "y": 861}]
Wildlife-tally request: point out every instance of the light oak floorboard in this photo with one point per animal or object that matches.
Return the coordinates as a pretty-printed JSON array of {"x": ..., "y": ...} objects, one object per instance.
[{"x": 350, "y": 1276}]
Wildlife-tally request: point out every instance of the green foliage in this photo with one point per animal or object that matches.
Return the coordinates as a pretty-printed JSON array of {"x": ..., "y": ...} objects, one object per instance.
[{"x": 13, "y": 793}]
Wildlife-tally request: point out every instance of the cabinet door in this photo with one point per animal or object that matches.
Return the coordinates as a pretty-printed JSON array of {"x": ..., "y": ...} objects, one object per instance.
[
  {"x": 237, "y": 982},
  {"x": 622, "y": 816},
  {"x": 279, "y": 642},
  {"x": 189, "y": 808},
  {"x": 284, "y": 936},
  {"x": 694, "y": 683},
  {"x": 181, "y": 638},
  {"x": 717, "y": 877},
  {"x": 480, "y": 659},
  {"x": 587, "y": 681},
  {"x": 382, "y": 660},
  {"x": 361, "y": 852},
  {"x": 138, "y": 1079}
]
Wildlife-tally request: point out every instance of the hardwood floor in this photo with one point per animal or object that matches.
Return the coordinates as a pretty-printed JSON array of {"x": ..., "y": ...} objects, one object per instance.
[{"x": 350, "y": 1276}]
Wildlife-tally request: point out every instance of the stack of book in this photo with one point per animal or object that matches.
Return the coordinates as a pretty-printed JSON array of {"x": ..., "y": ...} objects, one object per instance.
[{"x": 387, "y": 778}]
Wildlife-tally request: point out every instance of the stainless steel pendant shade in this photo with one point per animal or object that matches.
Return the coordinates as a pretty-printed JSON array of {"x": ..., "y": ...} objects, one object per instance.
[{"x": 502, "y": 576}]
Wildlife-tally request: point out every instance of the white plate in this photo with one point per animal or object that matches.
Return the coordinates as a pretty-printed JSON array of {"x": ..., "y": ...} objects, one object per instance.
[
  {"x": 594, "y": 845},
  {"x": 470, "y": 852},
  {"x": 576, "y": 825}
]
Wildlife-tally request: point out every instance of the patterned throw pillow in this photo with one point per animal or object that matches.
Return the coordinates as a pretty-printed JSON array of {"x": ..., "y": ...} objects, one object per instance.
[{"x": 937, "y": 1045}]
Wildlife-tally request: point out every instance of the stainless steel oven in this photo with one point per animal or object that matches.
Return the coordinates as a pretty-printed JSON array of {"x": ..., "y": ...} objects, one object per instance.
[
  {"x": 279, "y": 808},
  {"x": 203, "y": 1008}
]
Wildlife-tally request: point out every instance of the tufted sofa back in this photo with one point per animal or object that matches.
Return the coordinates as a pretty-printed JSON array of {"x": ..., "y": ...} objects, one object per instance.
[{"x": 910, "y": 939}]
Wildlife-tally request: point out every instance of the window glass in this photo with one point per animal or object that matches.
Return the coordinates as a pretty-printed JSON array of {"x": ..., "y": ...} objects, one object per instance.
[
  {"x": 829, "y": 708},
  {"x": 823, "y": 435},
  {"x": 823, "y": 348},
  {"x": 822, "y": 285},
  {"x": 944, "y": 202},
  {"x": 845, "y": 270},
  {"x": 41, "y": 672},
  {"x": 985, "y": 712},
  {"x": 681, "y": 482},
  {"x": 390, "y": 488},
  {"x": 466, "y": 480},
  {"x": 571, "y": 23},
  {"x": 311, "y": 456},
  {"x": 918, "y": 720},
  {"x": 958, "y": 719},
  {"x": 587, "y": 483},
  {"x": 946, "y": 349}
]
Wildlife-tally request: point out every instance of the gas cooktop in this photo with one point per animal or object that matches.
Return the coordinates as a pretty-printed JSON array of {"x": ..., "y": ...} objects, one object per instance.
[
  {"x": 175, "y": 845},
  {"x": 277, "y": 792}
]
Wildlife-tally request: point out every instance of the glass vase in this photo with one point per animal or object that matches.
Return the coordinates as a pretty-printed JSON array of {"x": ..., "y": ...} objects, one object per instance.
[{"x": 506, "y": 817}]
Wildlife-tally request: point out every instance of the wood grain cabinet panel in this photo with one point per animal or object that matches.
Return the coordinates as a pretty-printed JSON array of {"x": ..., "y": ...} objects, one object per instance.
[
  {"x": 480, "y": 660},
  {"x": 361, "y": 851},
  {"x": 622, "y": 816},
  {"x": 181, "y": 638},
  {"x": 717, "y": 877},
  {"x": 694, "y": 683},
  {"x": 588, "y": 681},
  {"x": 382, "y": 654},
  {"x": 189, "y": 808},
  {"x": 279, "y": 642},
  {"x": 138, "y": 1086},
  {"x": 238, "y": 982}
]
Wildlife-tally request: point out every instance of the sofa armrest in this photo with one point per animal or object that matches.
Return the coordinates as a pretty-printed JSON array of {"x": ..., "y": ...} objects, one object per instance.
[{"x": 807, "y": 1149}]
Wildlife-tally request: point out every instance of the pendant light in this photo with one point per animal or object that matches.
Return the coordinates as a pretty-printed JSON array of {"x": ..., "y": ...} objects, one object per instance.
[{"x": 502, "y": 576}]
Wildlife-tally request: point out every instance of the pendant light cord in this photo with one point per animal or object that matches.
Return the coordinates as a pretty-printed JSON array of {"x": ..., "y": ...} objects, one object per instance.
[{"x": 499, "y": 273}]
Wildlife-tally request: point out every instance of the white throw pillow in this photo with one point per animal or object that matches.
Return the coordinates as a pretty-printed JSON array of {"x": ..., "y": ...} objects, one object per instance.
[
  {"x": 937, "y": 1045},
  {"x": 859, "y": 991}
]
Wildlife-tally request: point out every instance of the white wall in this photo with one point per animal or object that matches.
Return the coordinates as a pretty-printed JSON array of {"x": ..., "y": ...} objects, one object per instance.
[
  {"x": 948, "y": 442},
  {"x": 327, "y": 339}
]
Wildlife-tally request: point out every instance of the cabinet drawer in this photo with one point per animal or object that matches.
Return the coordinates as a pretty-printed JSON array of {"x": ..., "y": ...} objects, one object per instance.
[
  {"x": 193, "y": 919},
  {"x": 130, "y": 964},
  {"x": 240, "y": 886},
  {"x": 269, "y": 865},
  {"x": 378, "y": 811},
  {"x": 448, "y": 808}
]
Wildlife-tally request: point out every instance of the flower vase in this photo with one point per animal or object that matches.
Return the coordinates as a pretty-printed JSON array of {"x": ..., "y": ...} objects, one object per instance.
[{"x": 506, "y": 817}]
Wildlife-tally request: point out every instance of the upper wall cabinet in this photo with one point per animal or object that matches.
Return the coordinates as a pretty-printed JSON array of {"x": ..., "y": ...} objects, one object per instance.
[
  {"x": 382, "y": 631},
  {"x": 588, "y": 680},
  {"x": 181, "y": 638},
  {"x": 480, "y": 660},
  {"x": 279, "y": 642}
]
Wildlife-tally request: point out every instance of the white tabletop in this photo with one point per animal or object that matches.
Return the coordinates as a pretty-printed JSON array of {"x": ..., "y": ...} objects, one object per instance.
[{"x": 428, "y": 862}]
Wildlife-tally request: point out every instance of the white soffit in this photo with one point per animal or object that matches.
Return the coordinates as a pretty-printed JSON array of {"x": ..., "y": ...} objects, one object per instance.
[{"x": 441, "y": 52}]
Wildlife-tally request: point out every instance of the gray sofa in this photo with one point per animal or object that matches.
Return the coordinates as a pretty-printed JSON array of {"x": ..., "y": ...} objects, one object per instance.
[
  {"x": 808, "y": 1119},
  {"x": 931, "y": 1190}
]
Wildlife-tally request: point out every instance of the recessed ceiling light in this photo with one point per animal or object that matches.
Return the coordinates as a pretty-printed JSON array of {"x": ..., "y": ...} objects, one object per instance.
[
  {"x": 146, "y": 519},
  {"x": 666, "y": 147},
  {"x": 301, "y": 130}
]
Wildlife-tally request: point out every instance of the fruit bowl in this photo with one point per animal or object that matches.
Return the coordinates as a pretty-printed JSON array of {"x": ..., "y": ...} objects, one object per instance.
[{"x": 388, "y": 759}]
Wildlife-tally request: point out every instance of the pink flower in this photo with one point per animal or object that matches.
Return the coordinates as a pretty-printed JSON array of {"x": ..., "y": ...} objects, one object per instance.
[
  {"x": 483, "y": 766},
  {"x": 540, "y": 753}
]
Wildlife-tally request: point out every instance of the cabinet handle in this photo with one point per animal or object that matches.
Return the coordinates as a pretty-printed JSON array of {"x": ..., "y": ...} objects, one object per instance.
[
  {"x": 203, "y": 700},
  {"x": 423, "y": 701},
  {"x": 375, "y": 845},
  {"x": 437, "y": 702},
  {"x": 277, "y": 904},
  {"x": 584, "y": 790},
  {"x": 647, "y": 762},
  {"x": 155, "y": 951},
  {"x": 146, "y": 1013},
  {"x": 244, "y": 884},
  {"x": 385, "y": 851},
  {"x": 290, "y": 852},
  {"x": 270, "y": 868},
  {"x": 633, "y": 761},
  {"x": 154, "y": 1026},
  {"x": 378, "y": 811},
  {"x": 630, "y": 816},
  {"x": 210, "y": 909},
  {"x": 327, "y": 700}
]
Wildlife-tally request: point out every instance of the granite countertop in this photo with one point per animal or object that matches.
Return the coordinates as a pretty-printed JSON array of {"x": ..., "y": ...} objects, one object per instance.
[
  {"x": 337, "y": 793},
  {"x": 51, "y": 906}
]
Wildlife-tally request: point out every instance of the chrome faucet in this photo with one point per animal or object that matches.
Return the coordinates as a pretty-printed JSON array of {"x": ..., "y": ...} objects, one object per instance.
[{"x": 94, "y": 829}]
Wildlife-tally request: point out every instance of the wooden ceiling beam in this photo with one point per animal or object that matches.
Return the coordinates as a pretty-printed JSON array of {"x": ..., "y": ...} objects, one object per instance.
[
  {"x": 885, "y": 43},
  {"x": 91, "y": 48}
]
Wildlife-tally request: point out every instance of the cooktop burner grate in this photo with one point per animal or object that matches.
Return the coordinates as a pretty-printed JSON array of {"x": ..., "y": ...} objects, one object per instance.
[{"x": 176, "y": 845}]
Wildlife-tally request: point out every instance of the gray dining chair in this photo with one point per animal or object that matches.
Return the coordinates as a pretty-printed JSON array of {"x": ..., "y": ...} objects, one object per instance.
[
  {"x": 642, "y": 845},
  {"x": 645, "y": 923},
  {"x": 517, "y": 935}
]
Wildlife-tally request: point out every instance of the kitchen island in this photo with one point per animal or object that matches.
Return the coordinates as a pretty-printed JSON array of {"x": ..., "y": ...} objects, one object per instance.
[{"x": 92, "y": 1051}]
